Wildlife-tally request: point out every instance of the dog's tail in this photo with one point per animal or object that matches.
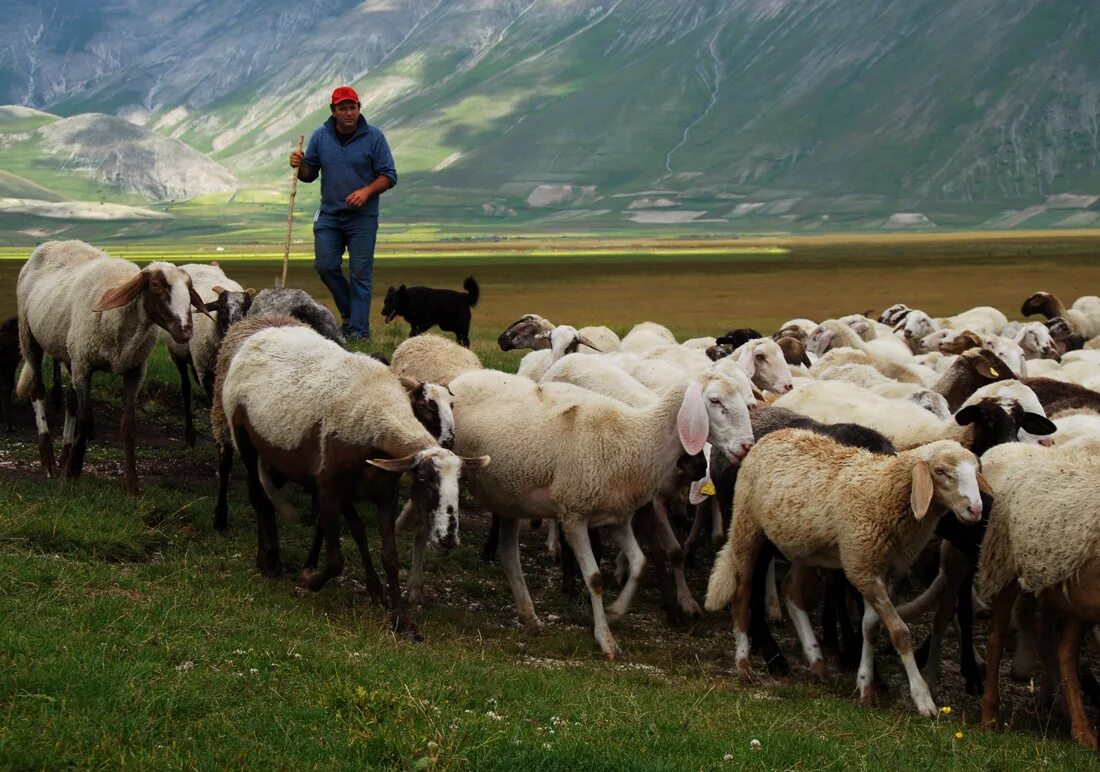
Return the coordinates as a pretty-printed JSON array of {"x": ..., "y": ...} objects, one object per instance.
[{"x": 470, "y": 285}]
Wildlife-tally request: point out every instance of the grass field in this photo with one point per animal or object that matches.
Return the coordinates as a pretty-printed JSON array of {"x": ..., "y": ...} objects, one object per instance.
[{"x": 135, "y": 635}]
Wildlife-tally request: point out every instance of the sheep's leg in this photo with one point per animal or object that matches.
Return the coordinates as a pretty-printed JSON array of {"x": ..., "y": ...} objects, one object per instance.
[
  {"x": 225, "y": 470},
  {"x": 78, "y": 417},
  {"x": 795, "y": 598},
  {"x": 411, "y": 518},
  {"x": 837, "y": 587},
  {"x": 717, "y": 526},
  {"x": 577, "y": 536},
  {"x": 492, "y": 540},
  {"x": 267, "y": 533},
  {"x": 327, "y": 507},
  {"x": 131, "y": 382},
  {"x": 673, "y": 554},
  {"x": 877, "y": 597},
  {"x": 55, "y": 392},
  {"x": 553, "y": 539},
  {"x": 745, "y": 545},
  {"x": 955, "y": 568},
  {"x": 1026, "y": 653},
  {"x": 68, "y": 434},
  {"x": 623, "y": 534},
  {"x": 759, "y": 633},
  {"x": 771, "y": 595},
  {"x": 359, "y": 534},
  {"x": 387, "y": 506},
  {"x": 1069, "y": 660},
  {"x": 513, "y": 571},
  {"x": 968, "y": 661},
  {"x": 274, "y": 492},
  {"x": 691, "y": 543},
  {"x": 865, "y": 676},
  {"x": 185, "y": 392}
]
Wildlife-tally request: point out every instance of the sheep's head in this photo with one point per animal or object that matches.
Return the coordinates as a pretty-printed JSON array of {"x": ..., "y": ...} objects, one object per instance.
[
  {"x": 714, "y": 410},
  {"x": 166, "y": 296},
  {"x": 432, "y": 406},
  {"x": 1036, "y": 341},
  {"x": 230, "y": 306},
  {"x": 860, "y": 325},
  {"x": 916, "y": 325},
  {"x": 763, "y": 360},
  {"x": 947, "y": 474},
  {"x": 1041, "y": 303},
  {"x": 894, "y": 314},
  {"x": 794, "y": 351},
  {"x": 529, "y": 331},
  {"x": 828, "y": 335},
  {"x": 565, "y": 339},
  {"x": 434, "y": 490}
]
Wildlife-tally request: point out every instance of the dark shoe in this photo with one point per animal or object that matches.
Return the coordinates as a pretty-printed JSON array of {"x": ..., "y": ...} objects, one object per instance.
[{"x": 357, "y": 336}]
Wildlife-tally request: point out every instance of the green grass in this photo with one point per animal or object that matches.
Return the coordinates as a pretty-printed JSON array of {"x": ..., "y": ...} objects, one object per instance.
[{"x": 135, "y": 635}]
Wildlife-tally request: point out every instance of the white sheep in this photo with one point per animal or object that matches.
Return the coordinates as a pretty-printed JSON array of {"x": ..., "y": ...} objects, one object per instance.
[
  {"x": 981, "y": 319},
  {"x": 830, "y": 505},
  {"x": 432, "y": 359},
  {"x": 1033, "y": 337},
  {"x": 763, "y": 361},
  {"x": 832, "y": 334},
  {"x": 1043, "y": 537},
  {"x": 562, "y": 339},
  {"x": 585, "y": 460},
  {"x": 230, "y": 302},
  {"x": 322, "y": 417},
  {"x": 646, "y": 335},
  {"x": 93, "y": 312}
]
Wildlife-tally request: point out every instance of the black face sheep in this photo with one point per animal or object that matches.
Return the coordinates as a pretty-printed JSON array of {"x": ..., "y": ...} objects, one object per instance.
[
  {"x": 95, "y": 312},
  {"x": 425, "y": 307},
  {"x": 824, "y": 504},
  {"x": 339, "y": 424}
]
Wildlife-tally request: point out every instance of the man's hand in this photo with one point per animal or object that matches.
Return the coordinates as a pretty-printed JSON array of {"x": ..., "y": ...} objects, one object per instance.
[
  {"x": 296, "y": 157},
  {"x": 358, "y": 197}
]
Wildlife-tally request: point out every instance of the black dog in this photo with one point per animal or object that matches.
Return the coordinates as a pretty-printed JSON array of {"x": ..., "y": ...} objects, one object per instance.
[{"x": 422, "y": 307}]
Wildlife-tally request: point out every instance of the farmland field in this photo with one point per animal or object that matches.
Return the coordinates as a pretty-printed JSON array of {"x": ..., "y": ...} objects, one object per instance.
[{"x": 135, "y": 635}]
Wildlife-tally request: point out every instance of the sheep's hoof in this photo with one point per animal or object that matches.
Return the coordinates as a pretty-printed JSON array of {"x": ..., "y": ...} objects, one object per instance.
[
  {"x": 312, "y": 579},
  {"x": 690, "y": 608},
  {"x": 745, "y": 673},
  {"x": 818, "y": 670},
  {"x": 778, "y": 666},
  {"x": 868, "y": 697},
  {"x": 610, "y": 647},
  {"x": 130, "y": 485},
  {"x": 402, "y": 625},
  {"x": 532, "y": 624}
]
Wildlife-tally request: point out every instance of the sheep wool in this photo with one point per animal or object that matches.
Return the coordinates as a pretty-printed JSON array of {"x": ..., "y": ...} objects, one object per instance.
[
  {"x": 352, "y": 395},
  {"x": 1043, "y": 527},
  {"x": 432, "y": 359}
]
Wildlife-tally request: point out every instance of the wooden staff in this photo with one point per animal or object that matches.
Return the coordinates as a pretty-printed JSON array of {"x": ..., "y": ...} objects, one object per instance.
[{"x": 290, "y": 214}]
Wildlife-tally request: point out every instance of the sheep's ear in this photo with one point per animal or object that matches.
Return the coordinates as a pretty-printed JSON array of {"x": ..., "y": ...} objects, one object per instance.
[
  {"x": 983, "y": 484},
  {"x": 920, "y": 495},
  {"x": 968, "y": 415},
  {"x": 411, "y": 385},
  {"x": 198, "y": 303},
  {"x": 692, "y": 421},
  {"x": 394, "y": 464},
  {"x": 747, "y": 360},
  {"x": 475, "y": 462},
  {"x": 986, "y": 366},
  {"x": 122, "y": 295},
  {"x": 251, "y": 292},
  {"x": 583, "y": 341},
  {"x": 217, "y": 289},
  {"x": 1036, "y": 424}
]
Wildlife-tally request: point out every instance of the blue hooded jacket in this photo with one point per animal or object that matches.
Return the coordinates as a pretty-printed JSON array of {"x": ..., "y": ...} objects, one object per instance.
[{"x": 348, "y": 164}]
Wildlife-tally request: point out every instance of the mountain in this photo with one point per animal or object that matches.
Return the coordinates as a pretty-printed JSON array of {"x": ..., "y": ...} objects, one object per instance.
[{"x": 714, "y": 113}]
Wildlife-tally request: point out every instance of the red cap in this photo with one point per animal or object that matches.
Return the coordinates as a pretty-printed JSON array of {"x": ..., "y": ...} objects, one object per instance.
[{"x": 343, "y": 94}]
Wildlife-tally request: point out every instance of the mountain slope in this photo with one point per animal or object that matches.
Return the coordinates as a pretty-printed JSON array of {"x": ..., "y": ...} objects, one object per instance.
[{"x": 787, "y": 111}]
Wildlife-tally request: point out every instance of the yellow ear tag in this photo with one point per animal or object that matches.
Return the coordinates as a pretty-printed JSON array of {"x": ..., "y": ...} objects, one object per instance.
[
  {"x": 707, "y": 489},
  {"x": 993, "y": 372}
]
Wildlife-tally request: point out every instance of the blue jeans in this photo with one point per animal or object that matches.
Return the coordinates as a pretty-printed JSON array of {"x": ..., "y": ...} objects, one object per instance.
[{"x": 332, "y": 233}]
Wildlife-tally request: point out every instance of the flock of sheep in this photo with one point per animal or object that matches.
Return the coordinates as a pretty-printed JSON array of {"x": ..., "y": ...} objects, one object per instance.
[{"x": 840, "y": 447}]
